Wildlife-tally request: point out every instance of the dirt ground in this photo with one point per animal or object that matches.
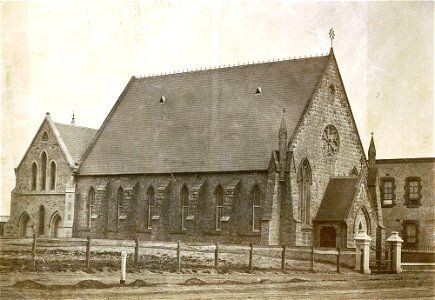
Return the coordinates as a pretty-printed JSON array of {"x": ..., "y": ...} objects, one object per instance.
[
  {"x": 60, "y": 273},
  {"x": 260, "y": 285}
]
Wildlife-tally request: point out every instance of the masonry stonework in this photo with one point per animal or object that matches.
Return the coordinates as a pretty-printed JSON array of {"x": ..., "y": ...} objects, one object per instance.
[
  {"x": 24, "y": 200},
  {"x": 397, "y": 215},
  {"x": 329, "y": 106},
  {"x": 238, "y": 206}
]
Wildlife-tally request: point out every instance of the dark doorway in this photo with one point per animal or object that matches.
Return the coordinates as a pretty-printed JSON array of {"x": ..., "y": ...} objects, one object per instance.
[{"x": 328, "y": 237}]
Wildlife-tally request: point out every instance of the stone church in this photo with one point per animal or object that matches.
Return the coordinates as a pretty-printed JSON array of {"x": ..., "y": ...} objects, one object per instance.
[
  {"x": 43, "y": 199},
  {"x": 265, "y": 153}
]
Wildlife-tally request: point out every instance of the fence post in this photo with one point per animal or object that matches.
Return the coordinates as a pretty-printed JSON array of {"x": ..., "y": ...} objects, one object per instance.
[
  {"x": 216, "y": 256},
  {"x": 178, "y": 256},
  {"x": 88, "y": 252},
  {"x": 123, "y": 266},
  {"x": 136, "y": 251},
  {"x": 338, "y": 260},
  {"x": 250, "y": 257},
  {"x": 283, "y": 259},
  {"x": 34, "y": 251},
  {"x": 312, "y": 259}
]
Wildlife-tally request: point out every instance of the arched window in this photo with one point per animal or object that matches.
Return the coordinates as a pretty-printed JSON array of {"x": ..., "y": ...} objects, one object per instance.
[
  {"x": 120, "y": 203},
  {"x": 45, "y": 136},
  {"x": 219, "y": 196},
  {"x": 256, "y": 208},
  {"x": 151, "y": 205},
  {"x": 34, "y": 176},
  {"x": 41, "y": 220},
  {"x": 43, "y": 170},
  {"x": 90, "y": 206},
  {"x": 184, "y": 200},
  {"x": 52, "y": 176},
  {"x": 304, "y": 182}
]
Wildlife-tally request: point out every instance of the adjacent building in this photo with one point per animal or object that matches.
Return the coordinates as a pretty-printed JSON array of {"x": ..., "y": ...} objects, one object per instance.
[
  {"x": 406, "y": 189},
  {"x": 43, "y": 199}
]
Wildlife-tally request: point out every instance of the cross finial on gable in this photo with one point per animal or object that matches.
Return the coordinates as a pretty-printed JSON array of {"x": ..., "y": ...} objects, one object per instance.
[
  {"x": 331, "y": 35},
  {"x": 73, "y": 120}
]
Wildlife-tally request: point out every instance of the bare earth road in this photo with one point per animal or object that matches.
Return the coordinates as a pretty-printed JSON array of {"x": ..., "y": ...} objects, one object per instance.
[{"x": 219, "y": 286}]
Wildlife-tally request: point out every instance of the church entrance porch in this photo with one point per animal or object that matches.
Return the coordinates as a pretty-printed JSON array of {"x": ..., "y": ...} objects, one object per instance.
[{"x": 330, "y": 234}]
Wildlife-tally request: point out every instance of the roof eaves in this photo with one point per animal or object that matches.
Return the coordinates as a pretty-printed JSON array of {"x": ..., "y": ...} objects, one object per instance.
[
  {"x": 310, "y": 101},
  {"x": 348, "y": 103},
  {"x": 31, "y": 143},
  {"x": 60, "y": 141},
  {"x": 58, "y": 138}
]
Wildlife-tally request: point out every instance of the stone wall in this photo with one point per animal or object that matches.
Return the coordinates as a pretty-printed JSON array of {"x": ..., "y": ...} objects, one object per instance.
[
  {"x": 24, "y": 199},
  {"x": 395, "y": 216},
  {"x": 25, "y": 203},
  {"x": 166, "y": 223},
  {"x": 329, "y": 106}
]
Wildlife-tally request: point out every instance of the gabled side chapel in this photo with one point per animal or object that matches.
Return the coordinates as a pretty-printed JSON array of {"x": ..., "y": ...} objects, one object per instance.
[{"x": 264, "y": 153}]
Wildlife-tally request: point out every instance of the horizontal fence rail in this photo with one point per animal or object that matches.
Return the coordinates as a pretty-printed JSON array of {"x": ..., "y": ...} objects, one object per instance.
[
  {"x": 246, "y": 257},
  {"x": 420, "y": 249}
]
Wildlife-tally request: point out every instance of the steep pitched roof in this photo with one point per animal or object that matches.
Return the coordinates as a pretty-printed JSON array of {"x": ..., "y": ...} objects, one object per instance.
[
  {"x": 338, "y": 199},
  {"x": 72, "y": 140},
  {"x": 76, "y": 138},
  {"x": 210, "y": 120}
]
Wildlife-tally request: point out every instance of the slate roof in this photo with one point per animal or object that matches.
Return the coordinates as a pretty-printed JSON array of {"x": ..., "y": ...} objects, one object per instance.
[
  {"x": 338, "y": 199},
  {"x": 76, "y": 138},
  {"x": 211, "y": 120}
]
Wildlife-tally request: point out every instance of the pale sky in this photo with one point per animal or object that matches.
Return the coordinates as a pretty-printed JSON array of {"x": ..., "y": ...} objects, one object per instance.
[{"x": 61, "y": 56}]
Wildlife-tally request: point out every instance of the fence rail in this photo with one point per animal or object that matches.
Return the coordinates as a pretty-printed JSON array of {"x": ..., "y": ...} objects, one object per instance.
[
  {"x": 420, "y": 249},
  {"x": 249, "y": 256}
]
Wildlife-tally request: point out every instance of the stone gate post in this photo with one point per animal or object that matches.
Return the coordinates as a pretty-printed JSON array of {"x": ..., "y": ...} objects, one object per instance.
[
  {"x": 362, "y": 255},
  {"x": 395, "y": 242}
]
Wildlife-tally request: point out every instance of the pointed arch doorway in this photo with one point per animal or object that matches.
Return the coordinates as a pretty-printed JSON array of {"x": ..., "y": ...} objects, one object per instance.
[
  {"x": 56, "y": 225},
  {"x": 26, "y": 225}
]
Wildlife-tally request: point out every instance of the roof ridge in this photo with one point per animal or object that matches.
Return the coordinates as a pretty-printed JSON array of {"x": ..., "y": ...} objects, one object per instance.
[
  {"x": 229, "y": 66},
  {"x": 74, "y": 126}
]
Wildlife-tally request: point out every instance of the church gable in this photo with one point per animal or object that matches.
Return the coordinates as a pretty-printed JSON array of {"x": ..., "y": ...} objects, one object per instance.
[
  {"x": 326, "y": 139},
  {"x": 48, "y": 162},
  {"x": 210, "y": 120},
  {"x": 44, "y": 166}
]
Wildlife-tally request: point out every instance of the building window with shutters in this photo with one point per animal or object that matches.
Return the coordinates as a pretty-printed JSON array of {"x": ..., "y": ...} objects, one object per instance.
[
  {"x": 413, "y": 192},
  {"x": 410, "y": 233},
  {"x": 387, "y": 191}
]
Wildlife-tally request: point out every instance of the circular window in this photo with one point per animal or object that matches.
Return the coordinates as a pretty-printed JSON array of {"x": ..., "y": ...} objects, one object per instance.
[{"x": 330, "y": 140}]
